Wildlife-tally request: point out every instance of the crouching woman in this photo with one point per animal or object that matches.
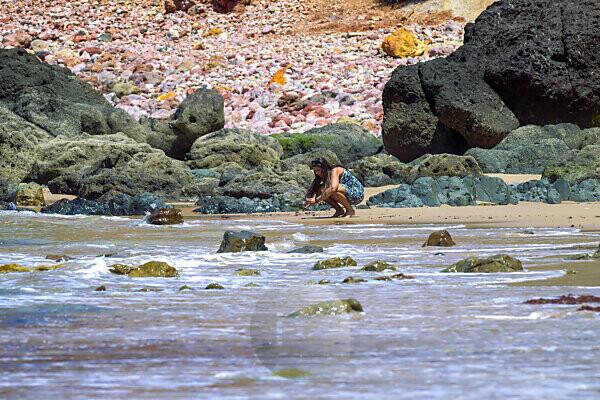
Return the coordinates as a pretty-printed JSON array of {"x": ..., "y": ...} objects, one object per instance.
[{"x": 335, "y": 186}]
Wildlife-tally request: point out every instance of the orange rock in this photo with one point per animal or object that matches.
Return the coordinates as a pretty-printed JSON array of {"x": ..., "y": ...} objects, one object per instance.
[
  {"x": 166, "y": 96},
  {"x": 403, "y": 43},
  {"x": 278, "y": 78},
  {"x": 216, "y": 31}
]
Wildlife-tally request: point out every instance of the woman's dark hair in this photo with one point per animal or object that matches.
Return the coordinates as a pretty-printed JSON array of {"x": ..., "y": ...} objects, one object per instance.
[{"x": 319, "y": 182}]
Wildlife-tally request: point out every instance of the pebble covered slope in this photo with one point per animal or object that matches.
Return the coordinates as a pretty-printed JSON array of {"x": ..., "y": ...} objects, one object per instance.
[{"x": 274, "y": 73}]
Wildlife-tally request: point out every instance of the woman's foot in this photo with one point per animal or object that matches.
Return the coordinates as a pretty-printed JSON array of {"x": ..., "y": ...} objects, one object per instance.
[
  {"x": 338, "y": 213},
  {"x": 349, "y": 213}
]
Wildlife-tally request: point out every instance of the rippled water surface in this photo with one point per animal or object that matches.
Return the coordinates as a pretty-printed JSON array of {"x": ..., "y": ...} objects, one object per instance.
[{"x": 435, "y": 336}]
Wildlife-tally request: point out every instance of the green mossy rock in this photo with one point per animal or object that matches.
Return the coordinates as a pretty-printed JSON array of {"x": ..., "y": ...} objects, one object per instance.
[
  {"x": 214, "y": 286},
  {"x": 493, "y": 264},
  {"x": 44, "y": 268},
  {"x": 152, "y": 269},
  {"x": 247, "y": 272},
  {"x": 333, "y": 307},
  {"x": 185, "y": 287},
  {"x": 378, "y": 266},
  {"x": 58, "y": 257},
  {"x": 335, "y": 262},
  {"x": 8, "y": 268}
]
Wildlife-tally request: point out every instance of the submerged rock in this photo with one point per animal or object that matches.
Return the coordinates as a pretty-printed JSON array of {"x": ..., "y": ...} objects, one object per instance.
[
  {"x": 395, "y": 276},
  {"x": 352, "y": 279},
  {"x": 493, "y": 264},
  {"x": 8, "y": 268},
  {"x": 247, "y": 272},
  {"x": 440, "y": 239},
  {"x": 307, "y": 250},
  {"x": 150, "y": 269},
  {"x": 333, "y": 307},
  {"x": 58, "y": 257},
  {"x": 378, "y": 266},
  {"x": 166, "y": 216},
  {"x": 335, "y": 262},
  {"x": 235, "y": 242},
  {"x": 185, "y": 287},
  {"x": 568, "y": 299}
]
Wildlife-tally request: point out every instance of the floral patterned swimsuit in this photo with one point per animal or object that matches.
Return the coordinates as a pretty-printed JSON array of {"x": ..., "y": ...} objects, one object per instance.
[{"x": 354, "y": 189}]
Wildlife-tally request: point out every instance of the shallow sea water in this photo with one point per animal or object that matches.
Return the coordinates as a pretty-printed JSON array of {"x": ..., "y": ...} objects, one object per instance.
[{"x": 435, "y": 336}]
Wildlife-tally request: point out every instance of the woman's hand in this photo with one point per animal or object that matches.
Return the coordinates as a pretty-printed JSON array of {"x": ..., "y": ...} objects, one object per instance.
[{"x": 309, "y": 202}]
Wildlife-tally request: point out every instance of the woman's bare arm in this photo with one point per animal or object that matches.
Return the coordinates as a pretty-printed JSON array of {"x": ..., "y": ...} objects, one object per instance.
[{"x": 332, "y": 184}]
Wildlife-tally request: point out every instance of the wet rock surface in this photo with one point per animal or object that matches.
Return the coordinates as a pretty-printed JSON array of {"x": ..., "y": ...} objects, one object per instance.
[
  {"x": 378, "y": 266},
  {"x": 307, "y": 250},
  {"x": 166, "y": 216},
  {"x": 568, "y": 299},
  {"x": 335, "y": 262},
  {"x": 330, "y": 308},
  {"x": 440, "y": 239},
  {"x": 235, "y": 242},
  {"x": 493, "y": 264},
  {"x": 151, "y": 269},
  {"x": 119, "y": 205}
]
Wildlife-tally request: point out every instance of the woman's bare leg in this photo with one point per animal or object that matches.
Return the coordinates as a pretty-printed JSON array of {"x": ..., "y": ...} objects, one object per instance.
[
  {"x": 339, "y": 211},
  {"x": 341, "y": 198}
]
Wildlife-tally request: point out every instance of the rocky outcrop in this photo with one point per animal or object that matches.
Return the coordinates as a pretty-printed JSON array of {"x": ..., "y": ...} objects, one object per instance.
[
  {"x": 100, "y": 167},
  {"x": 530, "y": 149},
  {"x": 493, "y": 264},
  {"x": 119, "y": 205},
  {"x": 18, "y": 140},
  {"x": 244, "y": 148},
  {"x": 454, "y": 191},
  {"x": 349, "y": 142},
  {"x": 199, "y": 114},
  {"x": 235, "y": 242},
  {"x": 378, "y": 266},
  {"x": 522, "y": 62},
  {"x": 57, "y": 102}
]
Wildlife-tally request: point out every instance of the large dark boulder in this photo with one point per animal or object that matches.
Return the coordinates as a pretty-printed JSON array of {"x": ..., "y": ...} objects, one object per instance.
[
  {"x": 55, "y": 100},
  {"x": 522, "y": 62}
]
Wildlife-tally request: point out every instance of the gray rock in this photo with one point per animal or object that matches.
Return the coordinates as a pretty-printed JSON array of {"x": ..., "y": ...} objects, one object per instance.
[
  {"x": 380, "y": 170},
  {"x": 199, "y": 114},
  {"x": 245, "y": 148},
  {"x": 99, "y": 167},
  {"x": 235, "y": 242},
  {"x": 306, "y": 250},
  {"x": 349, "y": 142}
]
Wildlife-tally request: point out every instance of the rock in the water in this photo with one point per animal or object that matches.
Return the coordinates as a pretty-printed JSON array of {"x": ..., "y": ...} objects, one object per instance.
[
  {"x": 100, "y": 167},
  {"x": 493, "y": 264},
  {"x": 378, "y": 266},
  {"x": 30, "y": 195},
  {"x": 148, "y": 270},
  {"x": 166, "y": 216},
  {"x": 8, "y": 268},
  {"x": 307, "y": 250},
  {"x": 247, "y": 272},
  {"x": 352, "y": 279},
  {"x": 440, "y": 239},
  {"x": 522, "y": 62},
  {"x": 58, "y": 257},
  {"x": 213, "y": 286},
  {"x": 333, "y": 307},
  {"x": 335, "y": 262},
  {"x": 349, "y": 142},
  {"x": 54, "y": 100},
  {"x": 235, "y": 242}
]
